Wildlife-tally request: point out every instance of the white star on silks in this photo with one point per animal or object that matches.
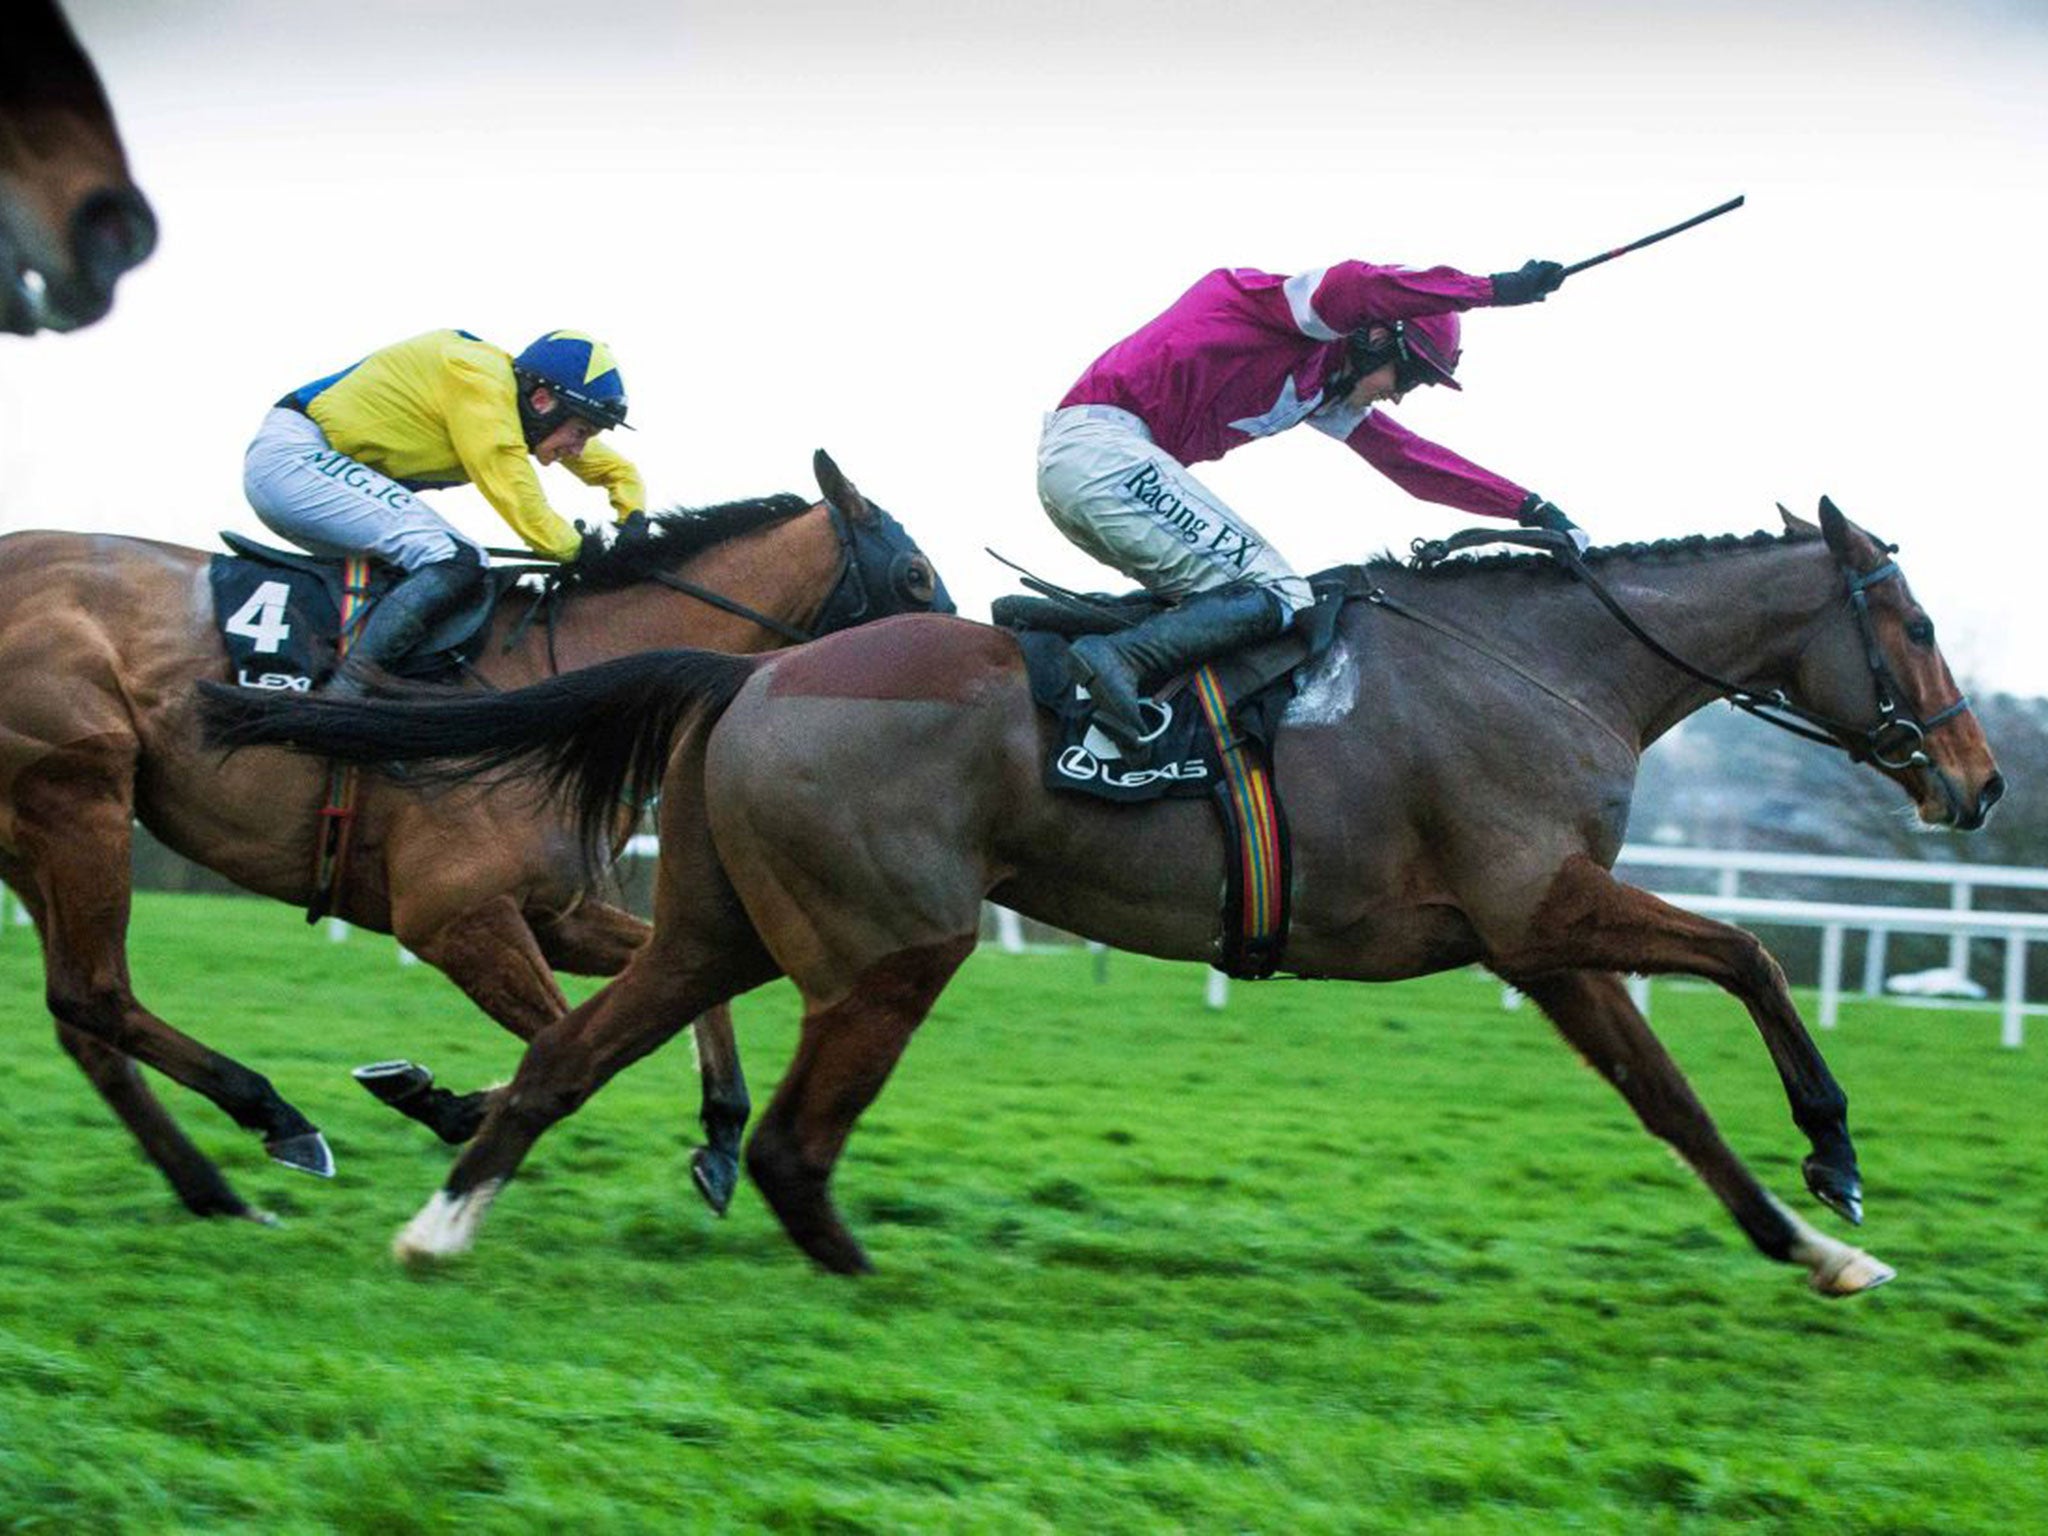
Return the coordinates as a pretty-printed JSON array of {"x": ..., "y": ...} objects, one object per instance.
[{"x": 1288, "y": 409}]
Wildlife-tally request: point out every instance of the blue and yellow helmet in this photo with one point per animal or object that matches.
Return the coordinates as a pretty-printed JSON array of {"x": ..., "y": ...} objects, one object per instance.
[{"x": 580, "y": 370}]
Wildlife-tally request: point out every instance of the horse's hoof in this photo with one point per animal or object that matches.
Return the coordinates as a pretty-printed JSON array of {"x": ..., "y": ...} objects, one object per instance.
[
  {"x": 1850, "y": 1272},
  {"x": 716, "y": 1175},
  {"x": 393, "y": 1082},
  {"x": 306, "y": 1152},
  {"x": 1840, "y": 1192},
  {"x": 445, "y": 1227}
]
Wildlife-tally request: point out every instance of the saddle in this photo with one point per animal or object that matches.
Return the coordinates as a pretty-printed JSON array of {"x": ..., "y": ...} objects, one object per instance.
[
  {"x": 279, "y": 613},
  {"x": 1255, "y": 685},
  {"x": 1214, "y": 740}
]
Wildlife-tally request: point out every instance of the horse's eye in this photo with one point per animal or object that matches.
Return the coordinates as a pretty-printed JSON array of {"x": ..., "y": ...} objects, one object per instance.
[
  {"x": 917, "y": 583},
  {"x": 1920, "y": 631}
]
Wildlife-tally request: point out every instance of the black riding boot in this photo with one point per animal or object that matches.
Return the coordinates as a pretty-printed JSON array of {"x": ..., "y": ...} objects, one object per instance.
[
  {"x": 1116, "y": 669},
  {"x": 403, "y": 616}
]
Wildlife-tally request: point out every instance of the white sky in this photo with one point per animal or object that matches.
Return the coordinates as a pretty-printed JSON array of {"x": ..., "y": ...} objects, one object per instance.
[{"x": 898, "y": 229}]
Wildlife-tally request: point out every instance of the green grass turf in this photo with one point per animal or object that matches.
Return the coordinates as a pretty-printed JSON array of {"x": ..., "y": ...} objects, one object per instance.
[{"x": 1335, "y": 1259}]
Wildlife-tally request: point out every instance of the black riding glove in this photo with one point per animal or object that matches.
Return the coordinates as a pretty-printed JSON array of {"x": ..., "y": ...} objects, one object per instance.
[
  {"x": 633, "y": 528},
  {"x": 1528, "y": 284},
  {"x": 591, "y": 547},
  {"x": 1538, "y": 513}
]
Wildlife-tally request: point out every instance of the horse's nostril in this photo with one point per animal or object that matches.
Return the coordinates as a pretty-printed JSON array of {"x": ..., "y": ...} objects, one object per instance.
[
  {"x": 112, "y": 231},
  {"x": 1994, "y": 791}
]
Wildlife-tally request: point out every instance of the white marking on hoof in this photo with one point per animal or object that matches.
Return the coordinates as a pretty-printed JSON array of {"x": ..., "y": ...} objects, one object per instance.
[
  {"x": 446, "y": 1225},
  {"x": 1851, "y": 1271},
  {"x": 1836, "y": 1269}
]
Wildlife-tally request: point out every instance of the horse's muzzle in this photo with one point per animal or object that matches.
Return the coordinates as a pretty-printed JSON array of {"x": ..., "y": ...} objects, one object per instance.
[{"x": 1987, "y": 797}]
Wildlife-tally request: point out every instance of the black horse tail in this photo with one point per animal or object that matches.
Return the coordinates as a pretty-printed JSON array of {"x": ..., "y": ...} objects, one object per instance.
[{"x": 596, "y": 739}]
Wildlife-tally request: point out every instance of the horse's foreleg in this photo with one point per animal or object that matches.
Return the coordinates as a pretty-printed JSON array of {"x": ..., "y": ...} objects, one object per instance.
[
  {"x": 595, "y": 938},
  {"x": 490, "y": 952},
  {"x": 715, "y": 1166},
  {"x": 846, "y": 1053},
  {"x": 1593, "y": 1012},
  {"x": 1590, "y": 920},
  {"x": 592, "y": 938},
  {"x": 72, "y": 831}
]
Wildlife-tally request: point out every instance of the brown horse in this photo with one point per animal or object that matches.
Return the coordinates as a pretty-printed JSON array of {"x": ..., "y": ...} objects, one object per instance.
[
  {"x": 1459, "y": 770},
  {"x": 101, "y": 639},
  {"x": 71, "y": 220}
]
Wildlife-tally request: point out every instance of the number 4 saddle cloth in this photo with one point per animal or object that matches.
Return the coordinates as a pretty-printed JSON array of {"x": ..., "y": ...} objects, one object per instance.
[{"x": 281, "y": 616}]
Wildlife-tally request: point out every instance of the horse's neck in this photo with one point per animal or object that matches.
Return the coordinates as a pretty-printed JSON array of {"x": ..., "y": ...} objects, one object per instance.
[
  {"x": 1743, "y": 616},
  {"x": 783, "y": 572}
]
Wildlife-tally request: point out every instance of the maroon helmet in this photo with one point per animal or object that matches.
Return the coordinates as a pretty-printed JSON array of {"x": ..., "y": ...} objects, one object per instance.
[
  {"x": 1426, "y": 350},
  {"x": 1423, "y": 350}
]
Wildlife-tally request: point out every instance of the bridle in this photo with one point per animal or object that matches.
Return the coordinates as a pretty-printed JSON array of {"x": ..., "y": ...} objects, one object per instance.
[
  {"x": 848, "y": 570},
  {"x": 848, "y": 601},
  {"x": 1896, "y": 742}
]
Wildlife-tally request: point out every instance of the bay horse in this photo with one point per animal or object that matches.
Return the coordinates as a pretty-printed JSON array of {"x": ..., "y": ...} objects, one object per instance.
[
  {"x": 1458, "y": 771},
  {"x": 101, "y": 640},
  {"x": 71, "y": 218}
]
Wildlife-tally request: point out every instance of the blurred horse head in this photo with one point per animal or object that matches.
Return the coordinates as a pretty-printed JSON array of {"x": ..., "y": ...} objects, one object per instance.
[{"x": 71, "y": 220}]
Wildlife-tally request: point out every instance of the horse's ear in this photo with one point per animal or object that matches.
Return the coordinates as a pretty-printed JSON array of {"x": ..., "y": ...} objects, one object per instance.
[
  {"x": 1835, "y": 528},
  {"x": 839, "y": 491},
  {"x": 1795, "y": 524}
]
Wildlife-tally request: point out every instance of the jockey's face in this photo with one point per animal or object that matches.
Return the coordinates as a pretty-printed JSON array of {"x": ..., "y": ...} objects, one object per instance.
[
  {"x": 1374, "y": 387},
  {"x": 569, "y": 439}
]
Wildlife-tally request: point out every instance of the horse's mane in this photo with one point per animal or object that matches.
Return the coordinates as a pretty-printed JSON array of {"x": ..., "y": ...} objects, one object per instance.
[
  {"x": 1690, "y": 547},
  {"x": 678, "y": 534}
]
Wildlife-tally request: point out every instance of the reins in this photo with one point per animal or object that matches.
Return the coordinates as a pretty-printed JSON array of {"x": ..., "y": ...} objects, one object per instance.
[
  {"x": 1379, "y": 597},
  {"x": 558, "y": 581},
  {"x": 1773, "y": 707}
]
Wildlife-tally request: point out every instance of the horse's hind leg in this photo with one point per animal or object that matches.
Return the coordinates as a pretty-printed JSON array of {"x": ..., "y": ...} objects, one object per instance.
[
  {"x": 1590, "y": 920},
  {"x": 193, "y": 1177},
  {"x": 846, "y": 1053},
  {"x": 198, "y": 1184},
  {"x": 595, "y": 938},
  {"x": 72, "y": 833},
  {"x": 505, "y": 963},
  {"x": 1593, "y": 1012},
  {"x": 649, "y": 1003}
]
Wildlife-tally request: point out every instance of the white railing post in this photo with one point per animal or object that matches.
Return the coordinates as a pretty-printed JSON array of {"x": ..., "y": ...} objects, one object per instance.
[
  {"x": 1100, "y": 953},
  {"x": 1639, "y": 994},
  {"x": 1218, "y": 993},
  {"x": 1873, "y": 962},
  {"x": 2013, "y": 1032},
  {"x": 337, "y": 930},
  {"x": 1830, "y": 974},
  {"x": 1959, "y": 943},
  {"x": 1009, "y": 931}
]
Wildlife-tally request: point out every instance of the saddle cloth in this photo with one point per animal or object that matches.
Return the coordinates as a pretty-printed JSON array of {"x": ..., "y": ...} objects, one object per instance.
[
  {"x": 1255, "y": 686},
  {"x": 1213, "y": 739},
  {"x": 279, "y": 614}
]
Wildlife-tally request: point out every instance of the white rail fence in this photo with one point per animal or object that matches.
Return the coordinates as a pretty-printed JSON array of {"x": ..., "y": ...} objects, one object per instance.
[{"x": 1964, "y": 920}]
